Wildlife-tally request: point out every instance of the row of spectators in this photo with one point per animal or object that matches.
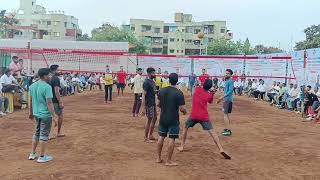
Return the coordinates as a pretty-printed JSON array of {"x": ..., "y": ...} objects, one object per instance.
[{"x": 281, "y": 95}]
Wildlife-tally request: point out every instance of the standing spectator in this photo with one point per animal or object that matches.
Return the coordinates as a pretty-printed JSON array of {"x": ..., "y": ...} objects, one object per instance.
[
  {"x": 192, "y": 83},
  {"x": 158, "y": 79},
  {"x": 108, "y": 80},
  {"x": 15, "y": 67},
  {"x": 203, "y": 77},
  {"x": 165, "y": 80},
  {"x": 10, "y": 84},
  {"x": 121, "y": 77},
  {"x": 138, "y": 91},
  {"x": 42, "y": 110}
]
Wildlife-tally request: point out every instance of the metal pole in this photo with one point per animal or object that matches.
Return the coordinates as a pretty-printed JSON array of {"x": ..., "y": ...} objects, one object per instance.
[{"x": 304, "y": 82}]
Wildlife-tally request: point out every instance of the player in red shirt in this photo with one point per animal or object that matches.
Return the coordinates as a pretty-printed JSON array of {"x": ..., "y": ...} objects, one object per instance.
[
  {"x": 199, "y": 114},
  {"x": 121, "y": 76},
  {"x": 203, "y": 77}
]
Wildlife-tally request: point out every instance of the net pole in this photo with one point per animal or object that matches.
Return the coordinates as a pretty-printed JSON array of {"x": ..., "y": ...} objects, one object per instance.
[{"x": 304, "y": 82}]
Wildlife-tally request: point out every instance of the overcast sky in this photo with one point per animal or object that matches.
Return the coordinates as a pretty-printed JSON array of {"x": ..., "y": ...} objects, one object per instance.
[{"x": 269, "y": 22}]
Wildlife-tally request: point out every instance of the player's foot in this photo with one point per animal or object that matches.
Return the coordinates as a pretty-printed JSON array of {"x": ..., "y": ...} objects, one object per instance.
[
  {"x": 150, "y": 141},
  {"x": 159, "y": 161},
  {"x": 170, "y": 163},
  {"x": 60, "y": 135},
  {"x": 44, "y": 159},
  {"x": 152, "y": 138},
  {"x": 33, "y": 156},
  {"x": 181, "y": 148},
  {"x": 133, "y": 115},
  {"x": 227, "y": 132},
  {"x": 225, "y": 155}
]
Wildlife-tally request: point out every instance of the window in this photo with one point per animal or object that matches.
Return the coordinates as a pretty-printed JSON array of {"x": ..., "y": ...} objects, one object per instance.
[
  {"x": 55, "y": 23},
  {"x": 145, "y": 28},
  {"x": 189, "y": 29},
  {"x": 196, "y": 31},
  {"x": 65, "y": 24},
  {"x": 156, "y": 30},
  {"x": 48, "y": 23},
  {"x": 182, "y": 40},
  {"x": 182, "y": 30},
  {"x": 34, "y": 35},
  {"x": 189, "y": 41},
  {"x": 223, "y": 30},
  {"x": 177, "y": 40},
  {"x": 157, "y": 50},
  {"x": 171, "y": 40},
  {"x": 171, "y": 50},
  {"x": 181, "y": 51},
  {"x": 166, "y": 29},
  {"x": 56, "y": 34},
  {"x": 178, "y": 51},
  {"x": 133, "y": 28},
  {"x": 32, "y": 3},
  {"x": 165, "y": 41}
]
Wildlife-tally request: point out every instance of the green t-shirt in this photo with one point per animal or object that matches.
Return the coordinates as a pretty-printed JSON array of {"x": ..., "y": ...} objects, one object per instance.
[{"x": 40, "y": 91}]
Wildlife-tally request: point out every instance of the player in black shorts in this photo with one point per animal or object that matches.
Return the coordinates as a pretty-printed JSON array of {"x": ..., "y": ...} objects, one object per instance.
[{"x": 171, "y": 100}]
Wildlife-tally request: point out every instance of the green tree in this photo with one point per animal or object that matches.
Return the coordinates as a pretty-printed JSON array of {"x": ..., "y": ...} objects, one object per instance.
[
  {"x": 7, "y": 23},
  {"x": 312, "y": 38},
  {"x": 84, "y": 37},
  {"x": 223, "y": 46},
  {"x": 261, "y": 49},
  {"x": 108, "y": 32}
]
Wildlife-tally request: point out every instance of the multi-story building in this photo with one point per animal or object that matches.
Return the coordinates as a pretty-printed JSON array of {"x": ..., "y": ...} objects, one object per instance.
[
  {"x": 180, "y": 37},
  {"x": 36, "y": 23}
]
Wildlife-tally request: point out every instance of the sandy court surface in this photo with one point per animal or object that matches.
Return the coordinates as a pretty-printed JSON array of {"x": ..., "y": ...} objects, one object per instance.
[{"x": 106, "y": 142}]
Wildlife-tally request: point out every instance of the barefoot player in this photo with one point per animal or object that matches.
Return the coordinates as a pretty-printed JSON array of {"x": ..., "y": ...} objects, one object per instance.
[
  {"x": 57, "y": 100},
  {"x": 171, "y": 100},
  {"x": 202, "y": 96},
  {"x": 149, "y": 88}
]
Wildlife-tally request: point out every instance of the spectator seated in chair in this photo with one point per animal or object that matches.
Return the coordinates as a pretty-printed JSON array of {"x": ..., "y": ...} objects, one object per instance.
[
  {"x": 260, "y": 91},
  {"x": 10, "y": 85}
]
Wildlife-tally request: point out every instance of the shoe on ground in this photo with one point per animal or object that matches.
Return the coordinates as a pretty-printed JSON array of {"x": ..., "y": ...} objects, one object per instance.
[
  {"x": 308, "y": 119},
  {"x": 33, "y": 156},
  {"x": 44, "y": 159},
  {"x": 2, "y": 114},
  {"x": 227, "y": 132}
]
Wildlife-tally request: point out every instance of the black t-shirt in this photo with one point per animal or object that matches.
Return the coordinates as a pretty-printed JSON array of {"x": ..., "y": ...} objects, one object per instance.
[
  {"x": 55, "y": 82},
  {"x": 170, "y": 99},
  {"x": 149, "y": 86},
  {"x": 311, "y": 99}
]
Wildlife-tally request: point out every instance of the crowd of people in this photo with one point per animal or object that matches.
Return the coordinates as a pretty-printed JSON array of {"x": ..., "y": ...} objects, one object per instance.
[{"x": 151, "y": 91}]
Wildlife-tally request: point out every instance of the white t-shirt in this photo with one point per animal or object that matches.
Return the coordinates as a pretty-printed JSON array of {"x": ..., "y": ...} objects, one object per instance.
[
  {"x": 255, "y": 85},
  {"x": 7, "y": 80},
  {"x": 262, "y": 88},
  {"x": 75, "y": 79},
  {"x": 138, "y": 84},
  {"x": 295, "y": 93}
]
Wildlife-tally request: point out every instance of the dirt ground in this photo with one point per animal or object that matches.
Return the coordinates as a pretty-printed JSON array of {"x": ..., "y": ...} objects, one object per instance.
[{"x": 106, "y": 142}]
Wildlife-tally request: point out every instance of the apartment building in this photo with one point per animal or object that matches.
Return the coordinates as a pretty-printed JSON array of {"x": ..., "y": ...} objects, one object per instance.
[
  {"x": 180, "y": 37},
  {"x": 35, "y": 22}
]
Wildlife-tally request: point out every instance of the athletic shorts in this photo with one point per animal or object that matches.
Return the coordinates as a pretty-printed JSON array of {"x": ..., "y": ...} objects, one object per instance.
[
  {"x": 206, "y": 124},
  {"x": 227, "y": 107},
  {"x": 57, "y": 109},
  {"x": 151, "y": 112},
  {"x": 121, "y": 85},
  {"x": 171, "y": 130},
  {"x": 42, "y": 129}
]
